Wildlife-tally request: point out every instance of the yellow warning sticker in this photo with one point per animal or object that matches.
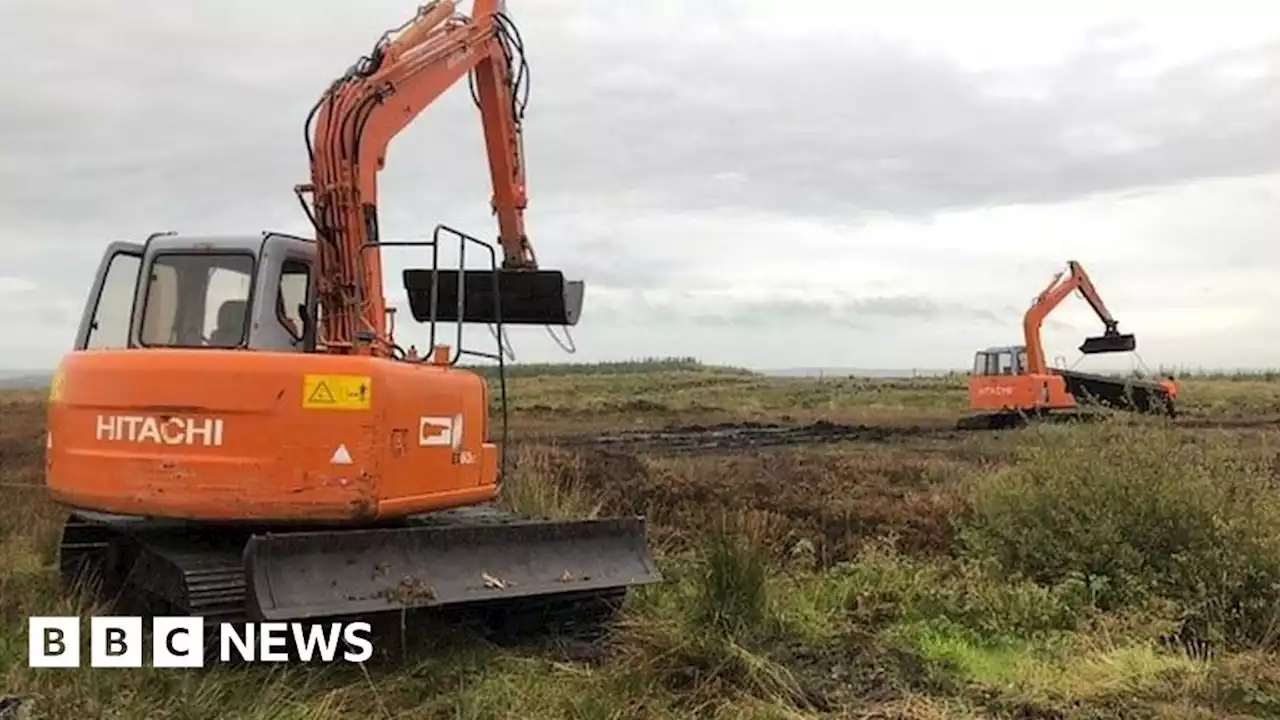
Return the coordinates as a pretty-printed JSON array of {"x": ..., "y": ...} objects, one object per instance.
[
  {"x": 336, "y": 392},
  {"x": 58, "y": 385}
]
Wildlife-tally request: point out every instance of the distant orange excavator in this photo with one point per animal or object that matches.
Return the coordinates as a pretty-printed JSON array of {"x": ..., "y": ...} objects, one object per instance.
[{"x": 1012, "y": 384}]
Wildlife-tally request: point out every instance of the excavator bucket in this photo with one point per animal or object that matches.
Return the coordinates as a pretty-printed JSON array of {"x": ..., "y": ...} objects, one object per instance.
[
  {"x": 1111, "y": 343},
  {"x": 298, "y": 575},
  {"x": 527, "y": 297}
]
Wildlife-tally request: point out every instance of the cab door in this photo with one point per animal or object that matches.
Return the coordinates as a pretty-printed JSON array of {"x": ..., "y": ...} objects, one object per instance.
[
  {"x": 107, "y": 317},
  {"x": 283, "y": 314}
]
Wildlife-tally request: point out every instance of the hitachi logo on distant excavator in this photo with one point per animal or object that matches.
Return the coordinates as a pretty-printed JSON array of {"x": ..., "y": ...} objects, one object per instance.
[{"x": 167, "y": 431}]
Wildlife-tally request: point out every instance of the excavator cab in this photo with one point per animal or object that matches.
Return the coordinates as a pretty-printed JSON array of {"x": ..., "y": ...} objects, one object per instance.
[
  {"x": 998, "y": 361},
  {"x": 228, "y": 293}
]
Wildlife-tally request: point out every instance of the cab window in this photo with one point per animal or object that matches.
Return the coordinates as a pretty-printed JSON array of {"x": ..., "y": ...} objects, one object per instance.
[
  {"x": 295, "y": 280},
  {"x": 198, "y": 300}
]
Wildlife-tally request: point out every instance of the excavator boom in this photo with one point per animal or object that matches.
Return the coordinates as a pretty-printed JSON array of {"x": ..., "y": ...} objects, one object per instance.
[
  {"x": 1110, "y": 341},
  {"x": 349, "y": 130}
]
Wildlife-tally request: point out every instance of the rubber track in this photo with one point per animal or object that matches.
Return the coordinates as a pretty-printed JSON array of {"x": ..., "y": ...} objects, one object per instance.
[
  {"x": 155, "y": 573},
  {"x": 82, "y": 551}
]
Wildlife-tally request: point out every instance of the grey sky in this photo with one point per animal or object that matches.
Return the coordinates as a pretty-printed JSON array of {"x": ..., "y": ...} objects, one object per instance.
[{"x": 734, "y": 180}]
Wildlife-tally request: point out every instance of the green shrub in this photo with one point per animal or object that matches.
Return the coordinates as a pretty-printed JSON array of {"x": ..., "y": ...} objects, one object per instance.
[
  {"x": 883, "y": 587},
  {"x": 1136, "y": 513}
]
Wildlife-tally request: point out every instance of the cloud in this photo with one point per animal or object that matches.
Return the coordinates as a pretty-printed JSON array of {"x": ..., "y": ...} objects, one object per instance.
[
  {"x": 881, "y": 130},
  {"x": 15, "y": 286},
  {"x": 32, "y": 317},
  {"x": 905, "y": 183},
  {"x": 768, "y": 310},
  {"x": 835, "y": 124}
]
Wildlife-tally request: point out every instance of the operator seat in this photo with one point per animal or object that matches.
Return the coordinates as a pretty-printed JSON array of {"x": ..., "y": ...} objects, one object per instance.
[{"x": 231, "y": 321}]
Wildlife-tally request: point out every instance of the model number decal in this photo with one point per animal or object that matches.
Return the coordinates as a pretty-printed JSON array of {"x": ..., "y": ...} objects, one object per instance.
[{"x": 167, "y": 431}]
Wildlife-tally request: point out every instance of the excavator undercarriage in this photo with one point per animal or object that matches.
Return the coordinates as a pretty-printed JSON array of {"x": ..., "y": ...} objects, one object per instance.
[{"x": 478, "y": 558}]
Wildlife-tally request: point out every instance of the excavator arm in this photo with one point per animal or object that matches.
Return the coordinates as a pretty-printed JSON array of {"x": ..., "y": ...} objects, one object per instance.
[
  {"x": 349, "y": 130},
  {"x": 1112, "y": 340}
]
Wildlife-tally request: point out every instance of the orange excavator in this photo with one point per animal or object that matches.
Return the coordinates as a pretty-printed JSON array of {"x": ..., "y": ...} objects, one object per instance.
[
  {"x": 237, "y": 434},
  {"x": 1011, "y": 384}
]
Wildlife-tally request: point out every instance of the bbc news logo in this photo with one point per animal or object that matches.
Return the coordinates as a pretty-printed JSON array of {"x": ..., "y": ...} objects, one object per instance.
[{"x": 180, "y": 642}]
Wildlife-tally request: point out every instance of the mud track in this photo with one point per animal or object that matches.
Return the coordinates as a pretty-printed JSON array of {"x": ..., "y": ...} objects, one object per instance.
[
  {"x": 749, "y": 435},
  {"x": 740, "y": 436}
]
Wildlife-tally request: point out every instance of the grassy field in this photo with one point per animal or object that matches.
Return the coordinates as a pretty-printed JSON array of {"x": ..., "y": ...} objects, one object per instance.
[{"x": 875, "y": 564}]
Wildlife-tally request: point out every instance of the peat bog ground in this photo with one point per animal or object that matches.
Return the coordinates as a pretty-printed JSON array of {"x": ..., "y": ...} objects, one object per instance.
[{"x": 832, "y": 548}]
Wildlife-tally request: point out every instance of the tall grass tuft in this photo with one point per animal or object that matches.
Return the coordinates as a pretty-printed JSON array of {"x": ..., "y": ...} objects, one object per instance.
[
  {"x": 709, "y": 633},
  {"x": 548, "y": 485},
  {"x": 734, "y": 593}
]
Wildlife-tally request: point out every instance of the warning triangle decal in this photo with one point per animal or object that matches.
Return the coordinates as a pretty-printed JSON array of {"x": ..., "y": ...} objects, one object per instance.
[
  {"x": 340, "y": 456},
  {"x": 321, "y": 395}
]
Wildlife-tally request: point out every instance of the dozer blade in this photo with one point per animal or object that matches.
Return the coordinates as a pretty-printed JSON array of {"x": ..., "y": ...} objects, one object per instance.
[
  {"x": 1118, "y": 342},
  {"x": 541, "y": 297},
  {"x": 354, "y": 572}
]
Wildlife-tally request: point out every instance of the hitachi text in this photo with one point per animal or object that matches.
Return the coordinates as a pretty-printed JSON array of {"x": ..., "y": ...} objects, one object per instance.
[{"x": 173, "y": 430}]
